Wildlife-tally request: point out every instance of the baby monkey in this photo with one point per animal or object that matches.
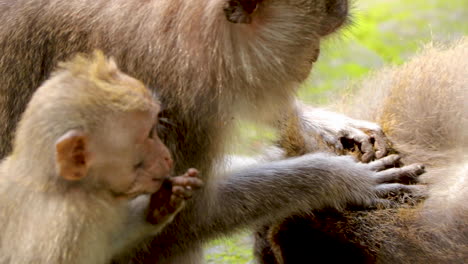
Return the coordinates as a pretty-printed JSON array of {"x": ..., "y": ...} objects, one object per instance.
[{"x": 86, "y": 156}]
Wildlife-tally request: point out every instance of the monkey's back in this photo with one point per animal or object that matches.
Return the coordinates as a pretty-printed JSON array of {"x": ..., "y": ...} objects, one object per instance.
[{"x": 422, "y": 106}]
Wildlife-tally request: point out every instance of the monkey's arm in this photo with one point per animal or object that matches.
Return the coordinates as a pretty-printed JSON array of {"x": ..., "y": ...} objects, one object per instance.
[
  {"x": 259, "y": 194},
  {"x": 307, "y": 129}
]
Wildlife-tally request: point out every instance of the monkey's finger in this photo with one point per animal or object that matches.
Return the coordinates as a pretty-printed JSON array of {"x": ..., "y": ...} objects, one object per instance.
[
  {"x": 393, "y": 189},
  {"x": 385, "y": 163},
  {"x": 185, "y": 181},
  {"x": 182, "y": 192},
  {"x": 381, "y": 143},
  {"x": 407, "y": 174},
  {"x": 196, "y": 183},
  {"x": 339, "y": 146},
  {"x": 334, "y": 142},
  {"x": 192, "y": 172},
  {"x": 176, "y": 203},
  {"x": 365, "y": 145}
]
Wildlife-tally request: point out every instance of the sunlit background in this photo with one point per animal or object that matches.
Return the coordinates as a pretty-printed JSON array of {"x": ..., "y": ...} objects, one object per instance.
[{"x": 383, "y": 32}]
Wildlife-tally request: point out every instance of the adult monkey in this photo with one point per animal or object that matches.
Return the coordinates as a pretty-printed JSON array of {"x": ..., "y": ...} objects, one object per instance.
[{"x": 207, "y": 71}]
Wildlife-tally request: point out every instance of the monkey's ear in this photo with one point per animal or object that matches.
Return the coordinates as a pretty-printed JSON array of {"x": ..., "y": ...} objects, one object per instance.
[
  {"x": 72, "y": 155},
  {"x": 337, "y": 14},
  {"x": 240, "y": 11}
]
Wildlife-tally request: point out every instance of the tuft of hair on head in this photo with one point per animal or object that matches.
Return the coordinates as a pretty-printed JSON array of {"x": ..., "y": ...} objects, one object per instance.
[{"x": 107, "y": 85}]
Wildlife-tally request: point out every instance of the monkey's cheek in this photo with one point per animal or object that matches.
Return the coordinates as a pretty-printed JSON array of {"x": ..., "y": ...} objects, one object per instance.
[{"x": 152, "y": 185}]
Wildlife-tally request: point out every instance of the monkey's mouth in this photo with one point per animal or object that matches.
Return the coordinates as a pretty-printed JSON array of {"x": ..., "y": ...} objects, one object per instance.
[
  {"x": 137, "y": 188},
  {"x": 123, "y": 195}
]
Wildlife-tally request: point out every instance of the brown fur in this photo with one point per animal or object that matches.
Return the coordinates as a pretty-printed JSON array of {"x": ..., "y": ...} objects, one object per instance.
[
  {"x": 206, "y": 70},
  {"x": 422, "y": 106}
]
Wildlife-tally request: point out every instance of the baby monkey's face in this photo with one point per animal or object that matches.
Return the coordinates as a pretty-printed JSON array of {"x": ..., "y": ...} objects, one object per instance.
[{"x": 131, "y": 159}]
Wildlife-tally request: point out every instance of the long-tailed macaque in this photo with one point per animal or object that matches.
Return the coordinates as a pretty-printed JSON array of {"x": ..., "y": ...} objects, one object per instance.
[
  {"x": 85, "y": 153},
  {"x": 211, "y": 62},
  {"x": 422, "y": 107}
]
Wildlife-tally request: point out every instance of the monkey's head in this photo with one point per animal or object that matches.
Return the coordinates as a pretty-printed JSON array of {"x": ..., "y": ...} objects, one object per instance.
[
  {"x": 329, "y": 15},
  {"x": 97, "y": 128},
  {"x": 291, "y": 30}
]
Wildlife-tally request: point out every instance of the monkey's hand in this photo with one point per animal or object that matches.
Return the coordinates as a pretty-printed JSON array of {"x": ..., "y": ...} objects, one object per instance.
[
  {"x": 374, "y": 184},
  {"x": 392, "y": 181},
  {"x": 343, "y": 133},
  {"x": 275, "y": 190},
  {"x": 170, "y": 199}
]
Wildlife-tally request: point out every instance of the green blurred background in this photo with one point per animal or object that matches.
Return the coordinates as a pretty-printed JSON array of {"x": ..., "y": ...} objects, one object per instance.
[{"x": 383, "y": 32}]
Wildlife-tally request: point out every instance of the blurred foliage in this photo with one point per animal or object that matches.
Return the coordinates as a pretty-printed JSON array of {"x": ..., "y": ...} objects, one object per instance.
[
  {"x": 381, "y": 32},
  {"x": 237, "y": 249}
]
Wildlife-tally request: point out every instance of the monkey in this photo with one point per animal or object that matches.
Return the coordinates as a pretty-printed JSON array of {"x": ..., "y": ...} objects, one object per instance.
[
  {"x": 85, "y": 158},
  {"x": 210, "y": 68},
  {"x": 422, "y": 108}
]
